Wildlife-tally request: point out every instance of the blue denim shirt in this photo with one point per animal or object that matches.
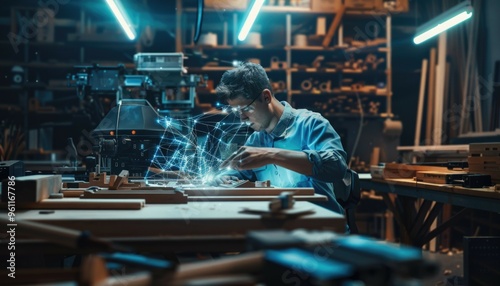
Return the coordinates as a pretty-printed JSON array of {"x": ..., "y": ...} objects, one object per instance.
[{"x": 307, "y": 131}]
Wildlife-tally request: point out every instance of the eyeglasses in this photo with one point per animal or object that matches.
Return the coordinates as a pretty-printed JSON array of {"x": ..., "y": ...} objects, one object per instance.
[{"x": 245, "y": 109}]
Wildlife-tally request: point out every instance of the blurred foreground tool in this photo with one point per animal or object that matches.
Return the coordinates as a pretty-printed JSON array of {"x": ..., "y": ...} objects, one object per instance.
[{"x": 327, "y": 258}]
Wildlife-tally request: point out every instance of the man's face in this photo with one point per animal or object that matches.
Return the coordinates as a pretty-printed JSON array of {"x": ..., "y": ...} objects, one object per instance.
[{"x": 253, "y": 112}]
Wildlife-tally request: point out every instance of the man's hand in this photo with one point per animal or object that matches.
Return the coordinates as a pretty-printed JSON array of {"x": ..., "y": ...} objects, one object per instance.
[
  {"x": 246, "y": 158},
  {"x": 223, "y": 179}
]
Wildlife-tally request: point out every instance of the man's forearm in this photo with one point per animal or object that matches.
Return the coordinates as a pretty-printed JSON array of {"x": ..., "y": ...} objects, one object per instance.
[{"x": 293, "y": 160}]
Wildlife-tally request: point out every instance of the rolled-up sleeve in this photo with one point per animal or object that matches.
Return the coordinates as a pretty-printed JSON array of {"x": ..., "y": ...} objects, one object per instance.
[
  {"x": 328, "y": 165},
  {"x": 324, "y": 150}
]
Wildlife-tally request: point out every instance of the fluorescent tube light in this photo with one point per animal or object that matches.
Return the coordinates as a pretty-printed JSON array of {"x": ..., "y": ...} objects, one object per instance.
[
  {"x": 122, "y": 18},
  {"x": 257, "y": 4},
  {"x": 443, "y": 22}
]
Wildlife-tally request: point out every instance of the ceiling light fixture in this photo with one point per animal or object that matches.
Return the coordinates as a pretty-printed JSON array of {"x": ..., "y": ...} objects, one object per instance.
[
  {"x": 122, "y": 18},
  {"x": 252, "y": 15},
  {"x": 444, "y": 21}
]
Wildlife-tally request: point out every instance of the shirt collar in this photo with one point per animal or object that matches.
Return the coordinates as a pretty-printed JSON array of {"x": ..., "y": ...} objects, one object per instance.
[{"x": 281, "y": 127}]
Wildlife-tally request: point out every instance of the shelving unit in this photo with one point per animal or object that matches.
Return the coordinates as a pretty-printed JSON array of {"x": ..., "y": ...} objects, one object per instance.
[
  {"x": 281, "y": 25},
  {"x": 48, "y": 105}
]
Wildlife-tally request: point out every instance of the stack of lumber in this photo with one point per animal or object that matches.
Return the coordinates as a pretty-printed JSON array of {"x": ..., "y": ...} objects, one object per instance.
[{"x": 484, "y": 158}]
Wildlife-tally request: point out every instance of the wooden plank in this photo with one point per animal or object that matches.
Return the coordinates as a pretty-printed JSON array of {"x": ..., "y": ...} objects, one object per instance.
[
  {"x": 435, "y": 187},
  {"x": 478, "y": 118},
  {"x": 309, "y": 198},
  {"x": 412, "y": 183},
  {"x": 475, "y": 92},
  {"x": 439, "y": 177},
  {"x": 72, "y": 193},
  {"x": 439, "y": 93},
  {"x": 388, "y": 72},
  {"x": 389, "y": 226},
  {"x": 89, "y": 204},
  {"x": 223, "y": 194},
  {"x": 216, "y": 191},
  {"x": 413, "y": 167},
  {"x": 462, "y": 148},
  {"x": 375, "y": 156},
  {"x": 490, "y": 149},
  {"x": 193, "y": 219},
  {"x": 395, "y": 170},
  {"x": 430, "y": 97},
  {"x": 477, "y": 192},
  {"x": 151, "y": 197},
  {"x": 420, "y": 108},
  {"x": 446, "y": 103},
  {"x": 469, "y": 68},
  {"x": 484, "y": 161},
  {"x": 33, "y": 188},
  {"x": 333, "y": 27}
]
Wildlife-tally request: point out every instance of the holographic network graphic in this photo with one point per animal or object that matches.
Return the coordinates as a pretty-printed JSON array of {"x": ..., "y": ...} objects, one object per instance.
[{"x": 193, "y": 148}]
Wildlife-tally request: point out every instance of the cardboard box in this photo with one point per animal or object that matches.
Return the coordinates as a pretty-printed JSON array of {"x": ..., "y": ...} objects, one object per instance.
[
  {"x": 377, "y": 5},
  {"x": 393, "y": 6},
  {"x": 361, "y": 4},
  {"x": 325, "y": 5},
  {"x": 226, "y": 4}
]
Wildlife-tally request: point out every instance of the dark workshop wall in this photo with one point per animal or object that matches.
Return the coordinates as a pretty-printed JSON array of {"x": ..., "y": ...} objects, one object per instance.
[
  {"x": 407, "y": 60},
  {"x": 492, "y": 8}
]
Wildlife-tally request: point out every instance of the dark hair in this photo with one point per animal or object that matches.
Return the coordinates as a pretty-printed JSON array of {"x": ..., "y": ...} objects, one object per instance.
[{"x": 246, "y": 80}]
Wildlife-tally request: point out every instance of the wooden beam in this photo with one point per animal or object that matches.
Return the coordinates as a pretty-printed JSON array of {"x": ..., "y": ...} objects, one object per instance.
[
  {"x": 150, "y": 196},
  {"x": 439, "y": 94},
  {"x": 421, "y": 96},
  {"x": 87, "y": 204},
  {"x": 31, "y": 189},
  {"x": 334, "y": 26},
  {"x": 430, "y": 97}
]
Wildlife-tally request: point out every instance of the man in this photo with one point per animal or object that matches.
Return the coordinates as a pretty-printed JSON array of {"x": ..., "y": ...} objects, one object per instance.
[{"x": 290, "y": 147}]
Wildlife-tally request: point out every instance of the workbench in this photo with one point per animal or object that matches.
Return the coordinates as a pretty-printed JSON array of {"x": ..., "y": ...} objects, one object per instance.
[
  {"x": 416, "y": 205},
  {"x": 195, "y": 226}
]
